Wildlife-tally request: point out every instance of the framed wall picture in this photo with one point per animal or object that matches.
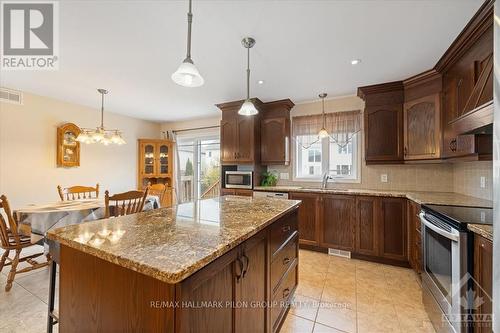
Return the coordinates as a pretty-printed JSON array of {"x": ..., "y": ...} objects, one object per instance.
[{"x": 68, "y": 149}]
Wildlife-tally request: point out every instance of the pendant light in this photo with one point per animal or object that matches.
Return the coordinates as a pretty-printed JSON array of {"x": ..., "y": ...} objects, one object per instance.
[
  {"x": 187, "y": 74},
  {"x": 248, "y": 109},
  {"x": 101, "y": 134},
  {"x": 323, "y": 133}
]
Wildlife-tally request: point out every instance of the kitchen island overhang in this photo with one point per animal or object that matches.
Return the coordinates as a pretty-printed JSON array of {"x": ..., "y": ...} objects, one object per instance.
[{"x": 221, "y": 264}]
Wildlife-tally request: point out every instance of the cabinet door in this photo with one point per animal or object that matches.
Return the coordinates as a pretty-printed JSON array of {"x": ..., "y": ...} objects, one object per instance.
[
  {"x": 367, "y": 209},
  {"x": 393, "y": 229},
  {"x": 308, "y": 217},
  {"x": 164, "y": 160},
  {"x": 275, "y": 136},
  {"x": 215, "y": 283},
  {"x": 422, "y": 128},
  {"x": 228, "y": 137},
  {"x": 148, "y": 158},
  {"x": 245, "y": 142},
  {"x": 338, "y": 221},
  {"x": 483, "y": 274},
  {"x": 384, "y": 133},
  {"x": 251, "y": 288}
]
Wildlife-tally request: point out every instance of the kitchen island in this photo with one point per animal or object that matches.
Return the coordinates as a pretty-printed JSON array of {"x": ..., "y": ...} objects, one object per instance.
[{"x": 216, "y": 265}]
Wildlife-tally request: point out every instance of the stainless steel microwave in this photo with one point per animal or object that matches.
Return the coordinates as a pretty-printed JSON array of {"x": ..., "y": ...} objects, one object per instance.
[{"x": 239, "y": 179}]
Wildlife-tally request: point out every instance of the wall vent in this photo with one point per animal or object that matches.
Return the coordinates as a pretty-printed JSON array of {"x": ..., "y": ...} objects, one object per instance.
[
  {"x": 339, "y": 253},
  {"x": 11, "y": 96}
]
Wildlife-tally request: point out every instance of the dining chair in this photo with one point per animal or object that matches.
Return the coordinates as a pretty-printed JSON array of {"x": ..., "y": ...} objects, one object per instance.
[
  {"x": 126, "y": 203},
  {"x": 157, "y": 190},
  {"x": 11, "y": 240},
  {"x": 78, "y": 192}
]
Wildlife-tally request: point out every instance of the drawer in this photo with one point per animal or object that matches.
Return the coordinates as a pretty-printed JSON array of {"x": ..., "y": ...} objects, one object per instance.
[
  {"x": 283, "y": 295},
  {"x": 284, "y": 258},
  {"x": 282, "y": 230}
]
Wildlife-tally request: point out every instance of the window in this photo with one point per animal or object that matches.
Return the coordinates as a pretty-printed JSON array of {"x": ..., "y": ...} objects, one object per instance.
[{"x": 341, "y": 162}]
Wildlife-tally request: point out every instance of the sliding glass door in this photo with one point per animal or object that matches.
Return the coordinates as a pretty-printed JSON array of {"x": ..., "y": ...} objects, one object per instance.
[{"x": 199, "y": 162}]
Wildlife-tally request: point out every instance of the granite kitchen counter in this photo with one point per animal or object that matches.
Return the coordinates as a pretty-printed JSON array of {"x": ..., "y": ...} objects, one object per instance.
[
  {"x": 481, "y": 229},
  {"x": 434, "y": 198},
  {"x": 170, "y": 244}
]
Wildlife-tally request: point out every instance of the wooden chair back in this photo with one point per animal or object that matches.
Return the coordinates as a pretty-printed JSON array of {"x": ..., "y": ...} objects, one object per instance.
[
  {"x": 8, "y": 230},
  {"x": 157, "y": 190},
  {"x": 78, "y": 192},
  {"x": 126, "y": 203}
]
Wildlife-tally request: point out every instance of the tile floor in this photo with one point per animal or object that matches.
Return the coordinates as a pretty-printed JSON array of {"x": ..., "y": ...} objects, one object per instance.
[{"x": 334, "y": 295}]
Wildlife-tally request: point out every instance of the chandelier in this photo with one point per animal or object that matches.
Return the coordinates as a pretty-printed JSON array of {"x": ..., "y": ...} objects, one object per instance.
[{"x": 101, "y": 134}]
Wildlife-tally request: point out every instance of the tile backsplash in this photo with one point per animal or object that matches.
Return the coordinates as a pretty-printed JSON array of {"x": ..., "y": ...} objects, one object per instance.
[
  {"x": 467, "y": 179},
  {"x": 462, "y": 178}
]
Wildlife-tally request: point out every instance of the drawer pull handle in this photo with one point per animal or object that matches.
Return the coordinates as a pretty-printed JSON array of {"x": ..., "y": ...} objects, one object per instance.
[
  {"x": 286, "y": 292},
  {"x": 239, "y": 269},
  {"x": 286, "y": 261},
  {"x": 286, "y": 228}
]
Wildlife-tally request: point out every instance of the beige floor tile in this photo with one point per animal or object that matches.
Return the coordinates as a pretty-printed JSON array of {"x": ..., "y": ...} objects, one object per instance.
[
  {"x": 294, "y": 324},
  {"x": 318, "y": 328},
  {"x": 341, "y": 319},
  {"x": 416, "y": 326},
  {"x": 344, "y": 296},
  {"x": 375, "y": 304},
  {"x": 377, "y": 323},
  {"x": 304, "y": 307},
  {"x": 310, "y": 288},
  {"x": 416, "y": 312},
  {"x": 310, "y": 271},
  {"x": 37, "y": 283}
]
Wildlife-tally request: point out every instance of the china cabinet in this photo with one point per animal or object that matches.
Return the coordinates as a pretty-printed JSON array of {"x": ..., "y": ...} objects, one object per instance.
[
  {"x": 68, "y": 149},
  {"x": 156, "y": 162}
]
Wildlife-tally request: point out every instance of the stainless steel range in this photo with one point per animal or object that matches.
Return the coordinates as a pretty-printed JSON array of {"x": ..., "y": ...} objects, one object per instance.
[{"x": 447, "y": 259}]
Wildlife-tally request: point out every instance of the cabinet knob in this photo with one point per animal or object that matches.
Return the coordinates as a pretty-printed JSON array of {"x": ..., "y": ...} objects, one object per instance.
[
  {"x": 286, "y": 261},
  {"x": 286, "y": 292},
  {"x": 286, "y": 228}
]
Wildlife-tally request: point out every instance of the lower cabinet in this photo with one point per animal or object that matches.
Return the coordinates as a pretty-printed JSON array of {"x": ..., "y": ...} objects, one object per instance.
[
  {"x": 338, "y": 221},
  {"x": 414, "y": 237},
  {"x": 308, "y": 217},
  {"x": 261, "y": 271},
  {"x": 235, "y": 191},
  {"x": 483, "y": 274},
  {"x": 392, "y": 228},
  {"x": 371, "y": 226},
  {"x": 367, "y": 221}
]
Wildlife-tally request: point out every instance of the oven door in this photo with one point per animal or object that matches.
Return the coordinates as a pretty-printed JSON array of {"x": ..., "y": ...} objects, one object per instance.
[{"x": 442, "y": 259}]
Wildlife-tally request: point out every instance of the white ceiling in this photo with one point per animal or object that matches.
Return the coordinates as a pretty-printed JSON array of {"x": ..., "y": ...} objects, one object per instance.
[{"x": 303, "y": 48}]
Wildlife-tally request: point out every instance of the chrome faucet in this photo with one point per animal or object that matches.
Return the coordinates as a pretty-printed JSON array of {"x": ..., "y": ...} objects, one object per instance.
[{"x": 326, "y": 177}]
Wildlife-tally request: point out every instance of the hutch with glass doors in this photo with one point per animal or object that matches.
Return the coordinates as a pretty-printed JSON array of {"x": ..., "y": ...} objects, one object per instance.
[{"x": 156, "y": 165}]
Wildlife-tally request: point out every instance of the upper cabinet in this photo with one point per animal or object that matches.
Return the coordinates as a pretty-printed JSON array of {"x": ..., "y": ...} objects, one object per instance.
[
  {"x": 383, "y": 119},
  {"x": 443, "y": 114},
  {"x": 240, "y": 135},
  {"x": 261, "y": 139},
  {"x": 422, "y": 116},
  {"x": 275, "y": 133}
]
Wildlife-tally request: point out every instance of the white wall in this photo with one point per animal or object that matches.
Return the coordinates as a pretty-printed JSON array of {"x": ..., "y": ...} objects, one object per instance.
[{"x": 28, "y": 171}]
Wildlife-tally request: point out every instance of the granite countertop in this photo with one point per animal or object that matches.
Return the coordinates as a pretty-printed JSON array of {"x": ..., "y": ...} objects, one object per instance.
[
  {"x": 170, "y": 244},
  {"x": 435, "y": 198},
  {"x": 482, "y": 229}
]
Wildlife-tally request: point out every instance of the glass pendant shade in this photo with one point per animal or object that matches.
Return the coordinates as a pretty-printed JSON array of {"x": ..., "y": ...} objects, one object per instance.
[
  {"x": 323, "y": 133},
  {"x": 187, "y": 75},
  {"x": 248, "y": 109}
]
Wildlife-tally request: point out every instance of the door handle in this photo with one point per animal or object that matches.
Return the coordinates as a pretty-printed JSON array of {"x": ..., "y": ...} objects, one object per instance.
[
  {"x": 244, "y": 256},
  {"x": 286, "y": 261},
  {"x": 239, "y": 272},
  {"x": 286, "y": 228},
  {"x": 286, "y": 292}
]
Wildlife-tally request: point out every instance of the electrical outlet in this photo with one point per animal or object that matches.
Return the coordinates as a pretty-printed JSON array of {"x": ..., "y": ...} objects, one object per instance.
[
  {"x": 284, "y": 175},
  {"x": 383, "y": 178},
  {"x": 483, "y": 182}
]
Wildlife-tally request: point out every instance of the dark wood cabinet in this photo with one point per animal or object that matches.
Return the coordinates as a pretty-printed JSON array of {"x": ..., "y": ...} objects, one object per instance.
[
  {"x": 236, "y": 191},
  {"x": 367, "y": 225},
  {"x": 240, "y": 135},
  {"x": 251, "y": 287},
  {"x": 483, "y": 275},
  {"x": 422, "y": 128},
  {"x": 337, "y": 221},
  {"x": 275, "y": 133},
  {"x": 393, "y": 229},
  {"x": 414, "y": 237},
  {"x": 383, "y": 120},
  {"x": 308, "y": 217}
]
